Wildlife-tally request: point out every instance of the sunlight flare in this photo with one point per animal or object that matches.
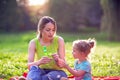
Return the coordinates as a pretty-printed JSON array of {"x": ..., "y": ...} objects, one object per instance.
[{"x": 37, "y": 2}]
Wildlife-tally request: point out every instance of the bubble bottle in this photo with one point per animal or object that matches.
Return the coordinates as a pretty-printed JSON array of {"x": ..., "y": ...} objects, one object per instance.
[{"x": 45, "y": 50}]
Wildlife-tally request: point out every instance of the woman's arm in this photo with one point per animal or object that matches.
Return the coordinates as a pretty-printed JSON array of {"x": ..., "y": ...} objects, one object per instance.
[
  {"x": 61, "y": 48},
  {"x": 61, "y": 51},
  {"x": 31, "y": 53},
  {"x": 31, "y": 56}
]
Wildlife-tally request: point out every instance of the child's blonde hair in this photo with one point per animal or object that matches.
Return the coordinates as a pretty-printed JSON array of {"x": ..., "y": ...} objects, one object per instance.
[{"x": 84, "y": 46}]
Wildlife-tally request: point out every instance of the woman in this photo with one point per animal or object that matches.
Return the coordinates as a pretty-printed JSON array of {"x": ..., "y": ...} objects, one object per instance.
[{"x": 45, "y": 45}]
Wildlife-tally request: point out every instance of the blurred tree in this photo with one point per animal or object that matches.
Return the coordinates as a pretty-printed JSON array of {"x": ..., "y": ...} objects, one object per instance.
[
  {"x": 74, "y": 15},
  {"x": 10, "y": 15},
  {"x": 111, "y": 19},
  {"x": 15, "y": 16},
  {"x": 28, "y": 24},
  {"x": 71, "y": 15}
]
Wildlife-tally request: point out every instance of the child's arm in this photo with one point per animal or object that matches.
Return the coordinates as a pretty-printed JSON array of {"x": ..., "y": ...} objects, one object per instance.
[{"x": 76, "y": 73}]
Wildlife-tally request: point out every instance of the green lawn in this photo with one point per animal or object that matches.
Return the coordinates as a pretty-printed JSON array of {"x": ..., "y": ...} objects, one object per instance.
[{"x": 13, "y": 53}]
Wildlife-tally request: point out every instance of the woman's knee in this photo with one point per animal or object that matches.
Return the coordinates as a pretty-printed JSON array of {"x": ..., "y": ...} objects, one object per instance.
[
  {"x": 34, "y": 73},
  {"x": 56, "y": 75}
]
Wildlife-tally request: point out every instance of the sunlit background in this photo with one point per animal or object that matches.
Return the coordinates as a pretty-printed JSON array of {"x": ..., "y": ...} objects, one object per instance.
[
  {"x": 38, "y": 5},
  {"x": 34, "y": 9},
  {"x": 37, "y": 2},
  {"x": 71, "y": 15},
  {"x": 76, "y": 19},
  {"x": 34, "y": 6}
]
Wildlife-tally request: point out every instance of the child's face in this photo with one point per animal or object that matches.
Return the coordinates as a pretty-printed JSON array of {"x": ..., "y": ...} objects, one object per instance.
[{"x": 76, "y": 53}]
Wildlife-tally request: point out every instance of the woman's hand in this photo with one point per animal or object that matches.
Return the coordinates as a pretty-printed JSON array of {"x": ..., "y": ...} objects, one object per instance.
[
  {"x": 55, "y": 57},
  {"x": 44, "y": 60},
  {"x": 60, "y": 62}
]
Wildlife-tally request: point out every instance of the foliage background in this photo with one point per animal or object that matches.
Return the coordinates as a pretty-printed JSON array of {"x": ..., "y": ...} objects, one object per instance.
[{"x": 13, "y": 53}]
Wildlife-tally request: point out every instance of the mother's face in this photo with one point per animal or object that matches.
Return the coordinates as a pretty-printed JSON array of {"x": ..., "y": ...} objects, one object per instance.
[{"x": 48, "y": 31}]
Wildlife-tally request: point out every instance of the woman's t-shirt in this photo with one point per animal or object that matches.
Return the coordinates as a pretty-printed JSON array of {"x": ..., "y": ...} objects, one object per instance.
[
  {"x": 85, "y": 66},
  {"x": 47, "y": 51}
]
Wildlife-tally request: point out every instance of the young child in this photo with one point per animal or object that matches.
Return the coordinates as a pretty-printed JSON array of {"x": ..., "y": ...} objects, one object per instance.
[{"x": 82, "y": 67}]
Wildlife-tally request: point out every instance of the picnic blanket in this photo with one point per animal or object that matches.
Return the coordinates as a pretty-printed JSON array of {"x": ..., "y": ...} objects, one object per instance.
[
  {"x": 100, "y": 78},
  {"x": 72, "y": 77}
]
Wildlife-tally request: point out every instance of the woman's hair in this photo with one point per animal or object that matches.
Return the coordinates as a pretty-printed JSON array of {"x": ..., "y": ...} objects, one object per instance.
[
  {"x": 84, "y": 45},
  {"x": 43, "y": 21}
]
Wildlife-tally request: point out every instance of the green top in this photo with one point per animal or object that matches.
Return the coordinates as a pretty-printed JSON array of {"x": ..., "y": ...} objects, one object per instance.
[{"x": 47, "y": 51}]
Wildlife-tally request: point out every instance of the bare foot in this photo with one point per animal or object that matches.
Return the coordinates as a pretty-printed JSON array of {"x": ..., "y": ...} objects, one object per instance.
[
  {"x": 64, "y": 78},
  {"x": 22, "y": 78}
]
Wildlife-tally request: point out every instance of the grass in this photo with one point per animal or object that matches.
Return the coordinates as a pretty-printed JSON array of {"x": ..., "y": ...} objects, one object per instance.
[{"x": 13, "y": 53}]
